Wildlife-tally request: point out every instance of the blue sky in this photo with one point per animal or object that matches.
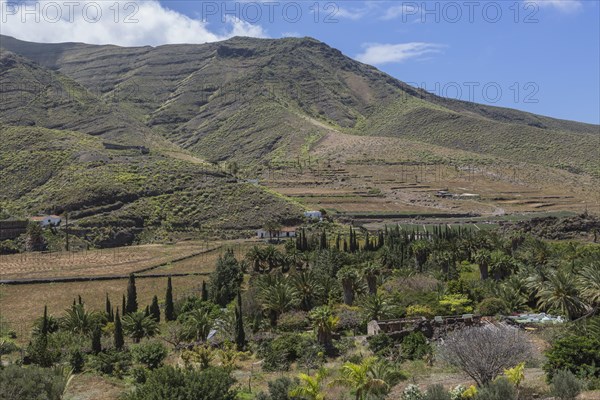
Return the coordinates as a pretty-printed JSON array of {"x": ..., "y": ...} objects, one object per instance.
[{"x": 542, "y": 57}]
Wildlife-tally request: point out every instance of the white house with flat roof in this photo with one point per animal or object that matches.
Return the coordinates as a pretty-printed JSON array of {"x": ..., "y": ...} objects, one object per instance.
[
  {"x": 313, "y": 215},
  {"x": 283, "y": 233}
]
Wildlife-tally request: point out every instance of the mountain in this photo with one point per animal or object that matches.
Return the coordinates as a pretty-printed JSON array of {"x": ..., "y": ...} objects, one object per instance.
[
  {"x": 252, "y": 103},
  {"x": 249, "y": 99}
]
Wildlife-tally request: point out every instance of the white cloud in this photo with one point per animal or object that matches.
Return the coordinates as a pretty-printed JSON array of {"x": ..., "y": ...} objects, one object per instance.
[
  {"x": 136, "y": 23},
  {"x": 378, "y": 54},
  {"x": 352, "y": 14},
  {"x": 567, "y": 6},
  {"x": 399, "y": 10}
]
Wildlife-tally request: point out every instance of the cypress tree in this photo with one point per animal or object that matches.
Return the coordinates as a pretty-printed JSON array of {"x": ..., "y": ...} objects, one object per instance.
[
  {"x": 124, "y": 304},
  {"x": 131, "y": 305},
  {"x": 96, "y": 340},
  {"x": 169, "y": 306},
  {"x": 204, "y": 291},
  {"x": 304, "y": 241},
  {"x": 147, "y": 311},
  {"x": 240, "y": 334},
  {"x": 323, "y": 240},
  {"x": 345, "y": 246},
  {"x": 155, "y": 309},
  {"x": 80, "y": 300},
  {"x": 118, "y": 335},
  {"x": 109, "y": 314},
  {"x": 337, "y": 242},
  {"x": 45, "y": 325}
]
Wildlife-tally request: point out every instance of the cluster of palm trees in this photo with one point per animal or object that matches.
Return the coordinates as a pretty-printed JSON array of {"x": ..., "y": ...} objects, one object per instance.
[
  {"x": 80, "y": 321},
  {"x": 523, "y": 271},
  {"x": 268, "y": 258}
]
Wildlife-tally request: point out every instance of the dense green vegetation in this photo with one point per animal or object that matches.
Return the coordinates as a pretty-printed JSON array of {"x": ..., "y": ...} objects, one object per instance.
[
  {"x": 120, "y": 197},
  {"x": 298, "y": 308}
]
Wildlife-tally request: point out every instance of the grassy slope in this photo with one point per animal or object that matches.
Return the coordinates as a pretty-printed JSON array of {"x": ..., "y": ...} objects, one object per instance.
[
  {"x": 246, "y": 99},
  {"x": 53, "y": 171}
]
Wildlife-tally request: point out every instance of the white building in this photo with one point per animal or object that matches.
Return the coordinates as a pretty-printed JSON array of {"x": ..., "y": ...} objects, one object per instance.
[
  {"x": 47, "y": 220},
  {"x": 313, "y": 215},
  {"x": 283, "y": 233}
]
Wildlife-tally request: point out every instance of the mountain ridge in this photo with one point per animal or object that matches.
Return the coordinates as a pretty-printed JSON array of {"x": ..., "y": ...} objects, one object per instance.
[{"x": 250, "y": 104}]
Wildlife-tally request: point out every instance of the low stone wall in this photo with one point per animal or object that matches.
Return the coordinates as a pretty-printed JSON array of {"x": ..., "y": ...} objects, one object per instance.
[{"x": 432, "y": 329}]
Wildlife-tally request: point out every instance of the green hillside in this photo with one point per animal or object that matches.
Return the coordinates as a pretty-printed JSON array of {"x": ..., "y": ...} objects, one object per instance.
[
  {"x": 249, "y": 99},
  {"x": 244, "y": 100},
  {"x": 111, "y": 191}
]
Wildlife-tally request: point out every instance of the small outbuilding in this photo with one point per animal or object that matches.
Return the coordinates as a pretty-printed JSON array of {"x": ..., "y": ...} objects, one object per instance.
[
  {"x": 313, "y": 215},
  {"x": 47, "y": 220},
  {"x": 283, "y": 233}
]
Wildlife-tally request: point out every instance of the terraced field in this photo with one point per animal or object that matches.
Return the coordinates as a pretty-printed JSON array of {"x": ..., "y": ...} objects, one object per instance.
[
  {"x": 399, "y": 178},
  {"x": 95, "y": 263}
]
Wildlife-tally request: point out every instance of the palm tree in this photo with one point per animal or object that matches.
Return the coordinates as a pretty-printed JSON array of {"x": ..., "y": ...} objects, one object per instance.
[
  {"x": 560, "y": 293},
  {"x": 294, "y": 258},
  {"x": 197, "y": 324},
  {"x": 538, "y": 252},
  {"x": 501, "y": 264},
  {"x": 387, "y": 372},
  {"x": 256, "y": 257},
  {"x": 371, "y": 271},
  {"x": 137, "y": 326},
  {"x": 310, "y": 387},
  {"x": 78, "y": 320},
  {"x": 588, "y": 281},
  {"x": 324, "y": 323},
  {"x": 512, "y": 297},
  {"x": 309, "y": 289},
  {"x": 272, "y": 257},
  {"x": 377, "y": 307},
  {"x": 360, "y": 378},
  {"x": 420, "y": 250},
  {"x": 349, "y": 278},
  {"x": 277, "y": 296},
  {"x": 483, "y": 258}
]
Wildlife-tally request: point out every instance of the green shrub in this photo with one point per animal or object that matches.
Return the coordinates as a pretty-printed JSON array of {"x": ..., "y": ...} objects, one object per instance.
[
  {"x": 578, "y": 354},
  {"x": 492, "y": 306},
  {"x": 281, "y": 352},
  {"x": 7, "y": 346},
  {"x": 31, "y": 383},
  {"x": 380, "y": 343},
  {"x": 139, "y": 374},
  {"x": 436, "y": 392},
  {"x": 113, "y": 363},
  {"x": 77, "y": 361},
  {"x": 419, "y": 310},
  {"x": 500, "y": 389},
  {"x": 292, "y": 321},
  {"x": 565, "y": 385},
  {"x": 279, "y": 389},
  {"x": 40, "y": 352},
  {"x": 151, "y": 354},
  {"x": 170, "y": 383},
  {"x": 415, "y": 346},
  {"x": 350, "y": 318}
]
